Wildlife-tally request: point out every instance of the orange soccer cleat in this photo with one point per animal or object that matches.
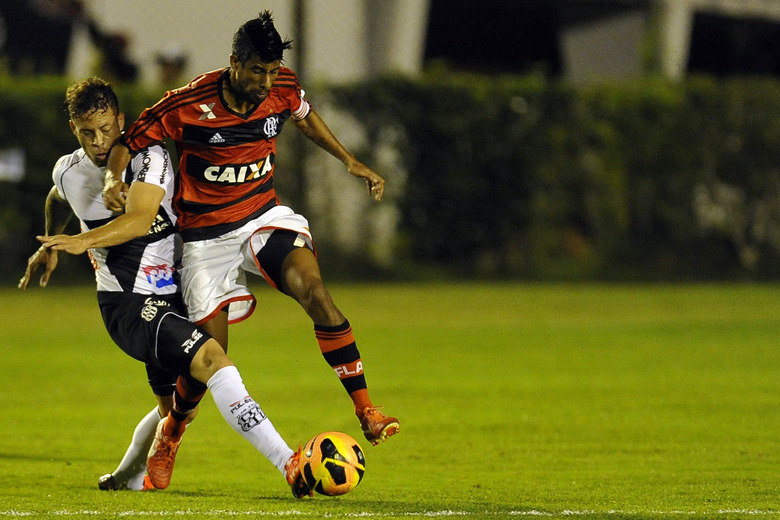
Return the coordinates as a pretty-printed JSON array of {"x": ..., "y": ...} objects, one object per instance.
[
  {"x": 162, "y": 455},
  {"x": 292, "y": 472},
  {"x": 376, "y": 425}
]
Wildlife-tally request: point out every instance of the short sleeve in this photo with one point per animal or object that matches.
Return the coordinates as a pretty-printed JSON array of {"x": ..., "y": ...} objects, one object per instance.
[
  {"x": 152, "y": 165},
  {"x": 56, "y": 174}
]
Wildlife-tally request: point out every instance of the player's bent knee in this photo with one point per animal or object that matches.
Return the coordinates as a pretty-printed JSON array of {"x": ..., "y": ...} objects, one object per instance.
[
  {"x": 320, "y": 307},
  {"x": 208, "y": 360},
  {"x": 319, "y": 295}
]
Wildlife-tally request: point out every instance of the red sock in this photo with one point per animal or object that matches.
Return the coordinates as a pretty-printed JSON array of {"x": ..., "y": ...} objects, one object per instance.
[
  {"x": 338, "y": 347},
  {"x": 185, "y": 399}
]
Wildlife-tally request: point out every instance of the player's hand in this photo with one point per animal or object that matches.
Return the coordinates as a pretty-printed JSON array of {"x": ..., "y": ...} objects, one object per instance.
[
  {"x": 72, "y": 244},
  {"x": 44, "y": 257},
  {"x": 375, "y": 183},
  {"x": 114, "y": 192}
]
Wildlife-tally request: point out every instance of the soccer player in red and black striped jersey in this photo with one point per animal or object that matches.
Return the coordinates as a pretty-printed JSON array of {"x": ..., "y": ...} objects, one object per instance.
[{"x": 225, "y": 124}]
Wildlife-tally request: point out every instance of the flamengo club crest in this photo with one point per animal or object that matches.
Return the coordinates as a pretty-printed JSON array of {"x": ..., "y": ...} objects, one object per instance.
[
  {"x": 271, "y": 126},
  {"x": 207, "y": 111}
]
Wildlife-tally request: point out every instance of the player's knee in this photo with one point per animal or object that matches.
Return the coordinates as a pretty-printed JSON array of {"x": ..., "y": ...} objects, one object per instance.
[
  {"x": 312, "y": 292},
  {"x": 208, "y": 360},
  {"x": 320, "y": 307}
]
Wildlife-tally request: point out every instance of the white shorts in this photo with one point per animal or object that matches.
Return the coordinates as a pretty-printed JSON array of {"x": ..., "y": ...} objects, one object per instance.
[{"x": 213, "y": 273}]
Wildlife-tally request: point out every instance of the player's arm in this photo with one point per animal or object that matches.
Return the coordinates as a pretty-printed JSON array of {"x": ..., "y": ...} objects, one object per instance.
[
  {"x": 114, "y": 189},
  {"x": 143, "y": 203},
  {"x": 315, "y": 129},
  {"x": 150, "y": 127},
  {"x": 57, "y": 213}
]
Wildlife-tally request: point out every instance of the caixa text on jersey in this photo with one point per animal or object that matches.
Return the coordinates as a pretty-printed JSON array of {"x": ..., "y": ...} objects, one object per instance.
[{"x": 230, "y": 173}]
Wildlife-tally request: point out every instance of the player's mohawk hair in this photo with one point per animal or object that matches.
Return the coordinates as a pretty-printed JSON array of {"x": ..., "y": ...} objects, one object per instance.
[{"x": 258, "y": 37}]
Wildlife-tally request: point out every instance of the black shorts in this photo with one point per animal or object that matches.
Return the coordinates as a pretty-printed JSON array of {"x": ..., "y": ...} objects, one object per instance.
[{"x": 153, "y": 329}]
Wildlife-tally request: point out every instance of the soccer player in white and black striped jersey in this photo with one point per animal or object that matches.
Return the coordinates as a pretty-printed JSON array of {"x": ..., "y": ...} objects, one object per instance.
[{"x": 139, "y": 297}]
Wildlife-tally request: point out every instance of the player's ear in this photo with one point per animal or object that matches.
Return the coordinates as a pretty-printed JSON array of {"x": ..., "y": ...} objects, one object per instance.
[
  {"x": 120, "y": 119},
  {"x": 234, "y": 61},
  {"x": 72, "y": 128}
]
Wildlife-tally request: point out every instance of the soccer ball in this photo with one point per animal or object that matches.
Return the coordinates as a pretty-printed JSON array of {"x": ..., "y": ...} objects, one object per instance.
[{"x": 333, "y": 463}]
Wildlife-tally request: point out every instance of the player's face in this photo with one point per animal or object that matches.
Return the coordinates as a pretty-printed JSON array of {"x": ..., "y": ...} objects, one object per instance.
[
  {"x": 251, "y": 81},
  {"x": 97, "y": 131}
]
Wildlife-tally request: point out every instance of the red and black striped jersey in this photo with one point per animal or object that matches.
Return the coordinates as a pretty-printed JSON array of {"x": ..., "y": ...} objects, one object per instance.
[{"x": 226, "y": 159}]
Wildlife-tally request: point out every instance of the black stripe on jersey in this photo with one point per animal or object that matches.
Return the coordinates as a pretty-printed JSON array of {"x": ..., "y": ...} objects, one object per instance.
[
  {"x": 205, "y": 233},
  {"x": 129, "y": 173},
  {"x": 286, "y": 78},
  {"x": 279, "y": 84},
  {"x": 158, "y": 111},
  {"x": 124, "y": 260},
  {"x": 226, "y": 136},
  {"x": 165, "y": 105},
  {"x": 141, "y": 126},
  {"x": 161, "y": 228},
  {"x": 92, "y": 224},
  {"x": 200, "y": 208}
]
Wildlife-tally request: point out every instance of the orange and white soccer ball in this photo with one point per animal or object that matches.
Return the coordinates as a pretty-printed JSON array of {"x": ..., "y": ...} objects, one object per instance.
[{"x": 333, "y": 463}]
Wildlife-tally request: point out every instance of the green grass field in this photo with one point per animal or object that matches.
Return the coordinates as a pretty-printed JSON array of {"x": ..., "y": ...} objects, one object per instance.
[{"x": 516, "y": 401}]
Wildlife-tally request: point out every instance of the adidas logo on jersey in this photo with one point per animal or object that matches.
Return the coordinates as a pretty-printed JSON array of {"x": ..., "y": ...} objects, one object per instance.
[{"x": 217, "y": 139}]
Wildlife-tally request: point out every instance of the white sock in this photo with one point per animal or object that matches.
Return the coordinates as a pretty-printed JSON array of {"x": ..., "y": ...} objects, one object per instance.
[
  {"x": 245, "y": 416},
  {"x": 132, "y": 468}
]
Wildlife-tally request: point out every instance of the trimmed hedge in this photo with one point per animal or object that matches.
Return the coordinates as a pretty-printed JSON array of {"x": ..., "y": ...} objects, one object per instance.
[{"x": 517, "y": 176}]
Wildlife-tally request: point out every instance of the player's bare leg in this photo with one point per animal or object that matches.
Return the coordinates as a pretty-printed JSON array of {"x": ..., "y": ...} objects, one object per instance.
[
  {"x": 217, "y": 328},
  {"x": 302, "y": 280}
]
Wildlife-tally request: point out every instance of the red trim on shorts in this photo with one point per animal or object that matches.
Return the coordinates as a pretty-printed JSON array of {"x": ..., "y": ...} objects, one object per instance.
[{"x": 225, "y": 303}]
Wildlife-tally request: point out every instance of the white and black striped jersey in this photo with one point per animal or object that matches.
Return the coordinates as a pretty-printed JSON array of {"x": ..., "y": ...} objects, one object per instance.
[{"x": 144, "y": 265}]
